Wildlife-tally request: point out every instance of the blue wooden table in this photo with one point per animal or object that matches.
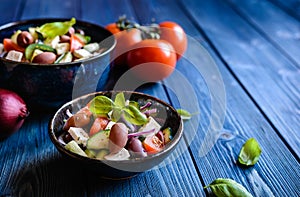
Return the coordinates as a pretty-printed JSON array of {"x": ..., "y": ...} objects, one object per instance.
[{"x": 240, "y": 76}]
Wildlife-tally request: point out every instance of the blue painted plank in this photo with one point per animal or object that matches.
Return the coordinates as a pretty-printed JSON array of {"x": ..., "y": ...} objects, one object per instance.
[
  {"x": 284, "y": 36},
  {"x": 243, "y": 120},
  {"x": 40, "y": 159},
  {"x": 290, "y": 6},
  {"x": 252, "y": 58}
]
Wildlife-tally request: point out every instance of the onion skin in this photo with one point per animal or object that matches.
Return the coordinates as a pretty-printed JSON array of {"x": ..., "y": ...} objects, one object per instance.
[{"x": 13, "y": 112}]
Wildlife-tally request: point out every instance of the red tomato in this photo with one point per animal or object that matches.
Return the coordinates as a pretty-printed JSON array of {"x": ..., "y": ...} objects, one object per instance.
[
  {"x": 125, "y": 39},
  {"x": 75, "y": 43},
  {"x": 152, "y": 60},
  {"x": 99, "y": 124},
  {"x": 153, "y": 144},
  {"x": 113, "y": 28},
  {"x": 174, "y": 34},
  {"x": 9, "y": 45}
]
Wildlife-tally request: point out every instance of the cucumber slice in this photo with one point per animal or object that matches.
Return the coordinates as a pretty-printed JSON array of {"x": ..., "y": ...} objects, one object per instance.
[
  {"x": 74, "y": 147},
  {"x": 92, "y": 47},
  {"x": 64, "y": 58},
  {"x": 102, "y": 153},
  {"x": 99, "y": 140},
  {"x": 90, "y": 153},
  {"x": 167, "y": 132},
  {"x": 29, "y": 50}
]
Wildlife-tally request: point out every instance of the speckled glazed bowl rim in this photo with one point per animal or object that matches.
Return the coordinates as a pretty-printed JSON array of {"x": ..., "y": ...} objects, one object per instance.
[
  {"x": 170, "y": 146},
  {"x": 46, "y": 20}
]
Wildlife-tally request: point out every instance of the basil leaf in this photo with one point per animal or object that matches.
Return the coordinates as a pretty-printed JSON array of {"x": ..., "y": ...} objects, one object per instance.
[
  {"x": 135, "y": 104},
  {"x": 228, "y": 187},
  {"x": 120, "y": 100},
  {"x": 134, "y": 115},
  {"x": 101, "y": 105},
  {"x": 185, "y": 115},
  {"x": 116, "y": 114},
  {"x": 56, "y": 28},
  {"x": 249, "y": 153}
]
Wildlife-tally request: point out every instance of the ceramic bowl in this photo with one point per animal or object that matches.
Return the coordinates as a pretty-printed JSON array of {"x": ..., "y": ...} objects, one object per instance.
[
  {"x": 124, "y": 168},
  {"x": 52, "y": 85}
]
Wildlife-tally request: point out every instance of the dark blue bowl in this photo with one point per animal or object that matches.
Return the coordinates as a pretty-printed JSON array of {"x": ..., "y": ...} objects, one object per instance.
[
  {"x": 49, "y": 86},
  {"x": 124, "y": 168}
]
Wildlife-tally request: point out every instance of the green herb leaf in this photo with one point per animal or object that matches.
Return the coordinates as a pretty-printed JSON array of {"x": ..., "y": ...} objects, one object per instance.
[
  {"x": 120, "y": 100},
  {"x": 135, "y": 104},
  {"x": 116, "y": 114},
  {"x": 228, "y": 187},
  {"x": 56, "y": 28},
  {"x": 101, "y": 105},
  {"x": 134, "y": 115},
  {"x": 185, "y": 115},
  {"x": 249, "y": 153}
]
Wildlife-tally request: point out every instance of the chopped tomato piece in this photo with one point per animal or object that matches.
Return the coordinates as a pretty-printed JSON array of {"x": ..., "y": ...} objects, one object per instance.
[
  {"x": 113, "y": 28},
  {"x": 75, "y": 43},
  {"x": 9, "y": 45},
  {"x": 153, "y": 144},
  {"x": 99, "y": 124}
]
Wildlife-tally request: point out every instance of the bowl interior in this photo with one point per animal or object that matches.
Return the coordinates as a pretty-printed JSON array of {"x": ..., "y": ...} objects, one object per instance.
[{"x": 167, "y": 112}]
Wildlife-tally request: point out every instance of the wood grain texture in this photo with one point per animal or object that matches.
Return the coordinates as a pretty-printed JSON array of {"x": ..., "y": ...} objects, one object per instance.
[
  {"x": 39, "y": 169},
  {"x": 292, "y": 7},
  {"x": 243, "y": 120},
  {"x": 267, "y": 75},
  {"x": 265, "y": 17}
]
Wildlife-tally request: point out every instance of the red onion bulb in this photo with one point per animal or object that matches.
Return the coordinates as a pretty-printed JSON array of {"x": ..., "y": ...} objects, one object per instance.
[{"x": 13, "y": 111}]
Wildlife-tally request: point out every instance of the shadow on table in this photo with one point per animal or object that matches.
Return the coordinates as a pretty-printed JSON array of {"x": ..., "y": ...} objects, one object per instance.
[{"x": 56, "y": 176}]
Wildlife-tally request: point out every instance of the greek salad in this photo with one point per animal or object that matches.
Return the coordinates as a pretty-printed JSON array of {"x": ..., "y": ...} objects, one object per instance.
[
  {"x": 118, "y": 129},
  {"x": 50, "y": 43}
]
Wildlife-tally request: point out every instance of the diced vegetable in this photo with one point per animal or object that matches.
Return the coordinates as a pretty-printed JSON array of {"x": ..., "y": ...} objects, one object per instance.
[
  {"x": 90, "y": 153},
  {"x": 82, "y": 53},
  {"x": 99, "y": 124},
  {"x": 167, "y": 132},
  {"x": 102, "y": 153},
  {"x": 83, "y": 39},
  {"x": 74, "y": 147},
  {"x": 9, "y": 45},
  {"x": 92, "y": 47},
  {"x": 52, "y": 42},
  {"x": 64, "y": 58},
  {"x": 75, "y": 43},
  {"x": 99, "y": 140},
  {"x": 62, "y": 48},
  {"x": 30, "y": 49},
  {"x": 152, "y": 144}
]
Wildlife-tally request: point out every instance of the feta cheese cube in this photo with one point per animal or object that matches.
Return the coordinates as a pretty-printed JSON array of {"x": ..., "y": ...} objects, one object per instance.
[
  {"x": 122, "y": 155},
  {"x": 79, "y": 135},
  {"x": 152, "y": 124},
  {"x": 82, "y": 53},
  {"x": 1, "y": 48},
  {"x": 14, "y": 56},
  {"x": 62, "y": 48}
]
